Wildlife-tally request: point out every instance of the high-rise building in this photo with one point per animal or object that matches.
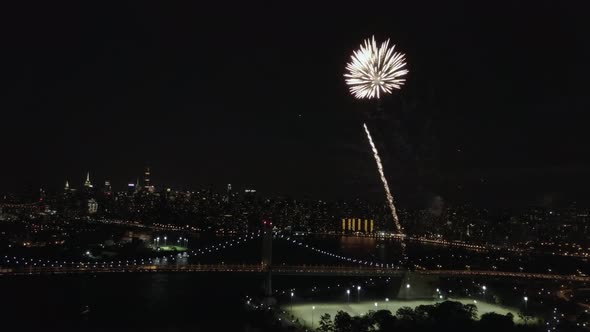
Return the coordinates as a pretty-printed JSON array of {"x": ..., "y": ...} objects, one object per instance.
[
  {"x": 228, "y": 194},
  {"x": 107, "y": 190},
  {"x": 251, "y": 210},
  {"x": 146, "y": 178},
  {"x": 42, "y": 195},
  {"x": 92, "y": 206},
  {"x": 87, "y": 183},
  {"x": 131, "y": 188},
  {"x": 67, "y": 187},
  {"x": 147, "y": 184}
]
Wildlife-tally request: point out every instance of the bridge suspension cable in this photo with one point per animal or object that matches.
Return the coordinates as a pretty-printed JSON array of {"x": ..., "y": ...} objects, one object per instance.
[
  {"x": 27, "y": 261},
  {"x": 335, "y": 255}
]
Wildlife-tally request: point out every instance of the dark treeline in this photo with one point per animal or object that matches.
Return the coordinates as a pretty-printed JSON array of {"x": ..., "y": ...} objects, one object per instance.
[{"x": 444, "y": 316}]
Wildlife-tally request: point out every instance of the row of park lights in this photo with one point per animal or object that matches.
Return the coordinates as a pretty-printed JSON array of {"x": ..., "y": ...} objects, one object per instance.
[
  {"x": 408, "y": 286},
  {"x": 358, "y": 291},
  {"x": 368, "y": 282},
  {"x": 180, "y": 240}
]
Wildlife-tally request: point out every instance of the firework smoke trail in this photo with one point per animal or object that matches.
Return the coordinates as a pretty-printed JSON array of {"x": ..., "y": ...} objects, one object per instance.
[{"x": 398, "y": 226}]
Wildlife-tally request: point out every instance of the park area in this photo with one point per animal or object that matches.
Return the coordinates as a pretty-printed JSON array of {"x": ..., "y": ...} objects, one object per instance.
[
  {"x": 307, "y": 312},
  {"x": 171, "y": 248}
]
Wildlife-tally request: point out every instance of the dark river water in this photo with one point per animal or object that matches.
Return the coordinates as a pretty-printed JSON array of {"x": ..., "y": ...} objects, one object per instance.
[{"x": 164, "y": 302}]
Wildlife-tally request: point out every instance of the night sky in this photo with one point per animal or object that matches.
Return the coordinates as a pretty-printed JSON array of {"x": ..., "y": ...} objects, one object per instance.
[{"x": 493, "y": 112}]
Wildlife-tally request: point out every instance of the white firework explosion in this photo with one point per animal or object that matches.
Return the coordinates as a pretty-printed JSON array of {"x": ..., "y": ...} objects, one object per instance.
[{"x": 374, "y": 70}]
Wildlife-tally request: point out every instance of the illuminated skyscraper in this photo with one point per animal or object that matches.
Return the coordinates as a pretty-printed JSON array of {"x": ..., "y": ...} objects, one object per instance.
[
  {"x": 67, "y": 187},
  {"x": 147, "y": 184},
  {"x": 92, "y": 206},
  {"x": 87, "y": 183},
  {"x": 42, "y": 195},
  {"x": 107, "y": 188},
  {"x": 228, "y": 196},
  {"x": 146, "y": 179},
  {"x": 131, "y": 188},
  {"x": 251, "y": 211}
]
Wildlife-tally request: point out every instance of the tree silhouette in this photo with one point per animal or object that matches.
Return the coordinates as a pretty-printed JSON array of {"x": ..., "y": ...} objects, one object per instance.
[
  {"x": 342, "y": 322},
  {"x": 326, "y": 324},
  {"x": 492, "y": 321}
]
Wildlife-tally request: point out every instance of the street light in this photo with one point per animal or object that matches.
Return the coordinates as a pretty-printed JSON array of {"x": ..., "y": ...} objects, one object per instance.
[
  {"x": 312, "y": 310},
  {"x": 358, "y": 294},
  {"x": 387, "y": 303},
  {"x": 165, "y": 241},
  {"x": 526, "y": 300},
  {"x": 292, "y": 301},
  {"x": 348, "y": 294},
  {"x": 375, "y": 303}
]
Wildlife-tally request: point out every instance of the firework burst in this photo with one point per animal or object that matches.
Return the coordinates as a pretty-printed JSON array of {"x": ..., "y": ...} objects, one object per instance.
[{"x": 375, "y": 70}]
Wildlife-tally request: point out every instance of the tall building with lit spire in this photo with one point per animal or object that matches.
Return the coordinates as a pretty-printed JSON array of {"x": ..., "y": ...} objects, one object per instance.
[
  {"x": 67, "y": 187},
  {"x": 87, "y": 183},
  {"x": 228, "y": 197}
]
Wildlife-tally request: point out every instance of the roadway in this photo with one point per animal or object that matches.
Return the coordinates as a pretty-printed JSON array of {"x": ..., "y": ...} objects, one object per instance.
[{"x": 318, "y": 270}]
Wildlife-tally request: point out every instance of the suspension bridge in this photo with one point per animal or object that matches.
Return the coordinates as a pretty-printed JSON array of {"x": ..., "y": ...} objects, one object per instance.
[{"x": 179, "y": 263}]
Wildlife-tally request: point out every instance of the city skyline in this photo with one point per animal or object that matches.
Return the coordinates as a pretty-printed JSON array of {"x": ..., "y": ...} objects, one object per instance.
[{"x": 100, "y": 181}]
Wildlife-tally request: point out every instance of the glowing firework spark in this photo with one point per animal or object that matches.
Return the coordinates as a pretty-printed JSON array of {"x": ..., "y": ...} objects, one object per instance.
[
  {"x": 398, "y": 226},
  {"x": 374, "y": 70}
]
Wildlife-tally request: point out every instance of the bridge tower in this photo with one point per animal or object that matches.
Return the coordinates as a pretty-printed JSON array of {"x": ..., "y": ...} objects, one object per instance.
[{"x": 267, "y": 256}]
